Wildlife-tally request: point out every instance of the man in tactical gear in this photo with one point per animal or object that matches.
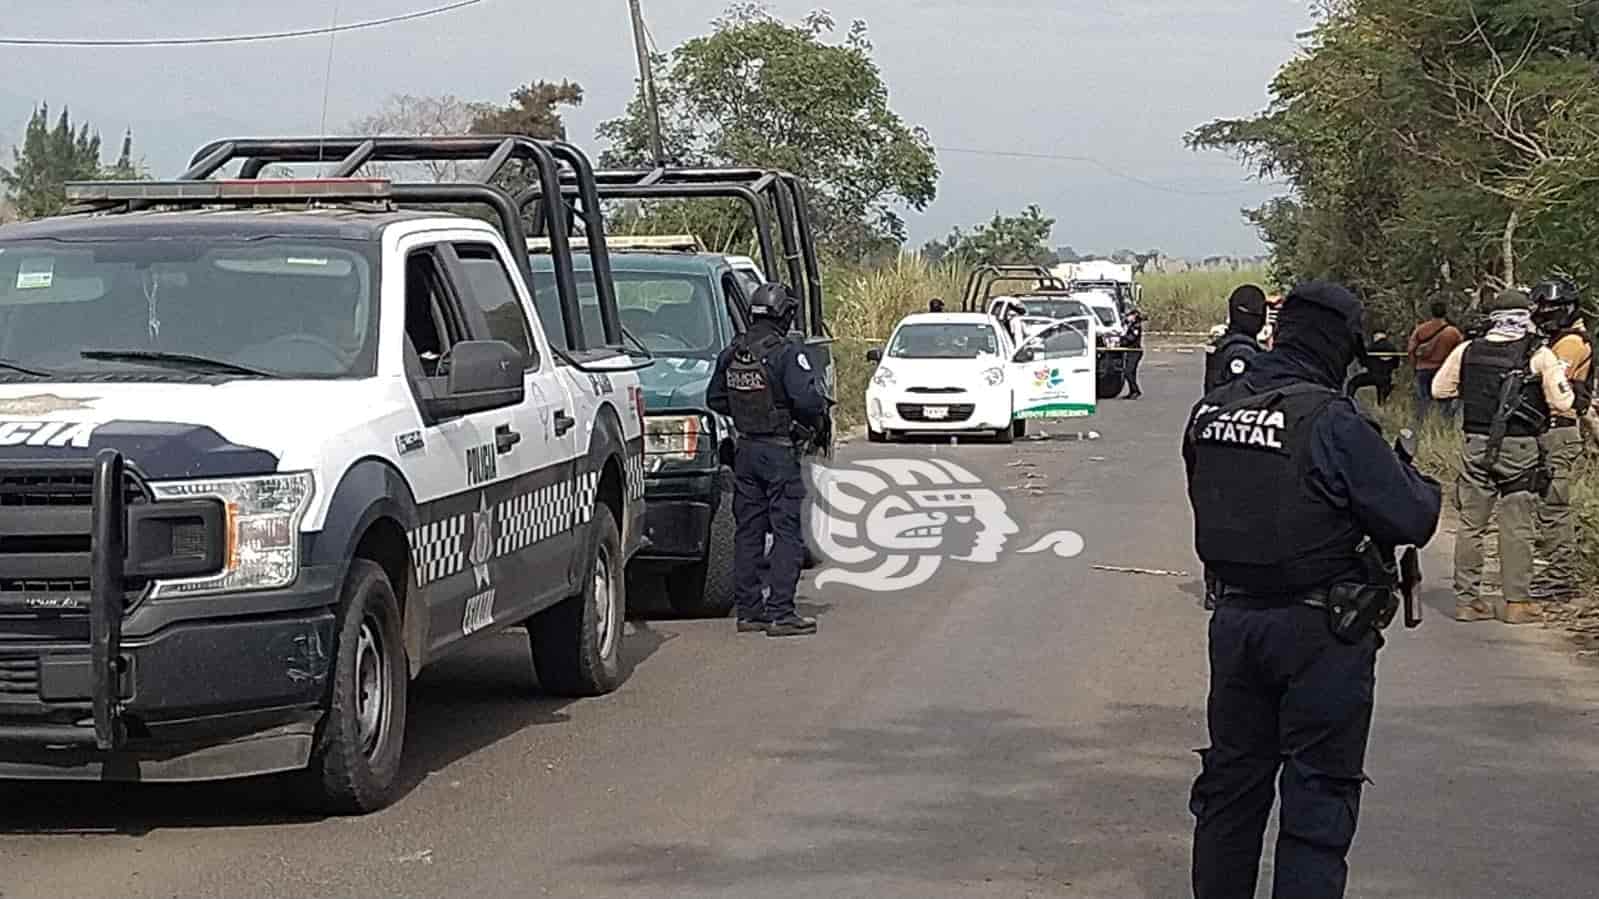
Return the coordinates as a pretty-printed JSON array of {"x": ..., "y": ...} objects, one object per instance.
[
  {"x": 765, "y": 382},
  {"x": 1230, "y": 357},
  {"x": 1296, "y": 499},
  {"x": 1508, "y": 383},
  {"x": 1557, "y": 312}
]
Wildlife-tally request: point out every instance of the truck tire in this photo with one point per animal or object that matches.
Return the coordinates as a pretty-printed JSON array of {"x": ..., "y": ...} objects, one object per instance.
[
  {"x": 577, "y": 643},
  {"x": 1018, "y": 428},
  {"x": 705, "y": 588},
  {"x": 355, "y": 764},
  {"x": 875, "y": 436},
  {"x": 1006, "y": 434},
  {"x": 1109, "y": 385}
]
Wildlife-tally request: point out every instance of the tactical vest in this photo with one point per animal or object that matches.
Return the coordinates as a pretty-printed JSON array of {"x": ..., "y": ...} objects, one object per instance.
[
  {"x": 1258, "y": 523},
  {"x": 1218, "y": 364},
  {"x": 1483, "y": 370},
  {"x": 759, "y": 403},
  {"x": 1581, "y": 389}
]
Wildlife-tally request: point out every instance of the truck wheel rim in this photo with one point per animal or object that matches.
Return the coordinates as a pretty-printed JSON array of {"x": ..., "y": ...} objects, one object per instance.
[
  {"x": 372, "y": 688},
  {"x": 604, "y": 602}
]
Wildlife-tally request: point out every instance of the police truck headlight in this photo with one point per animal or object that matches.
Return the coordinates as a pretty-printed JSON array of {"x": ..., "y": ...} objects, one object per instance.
[
  {"x": 676, "y": 439},
  {"x": 994, "y": 376},
  {"x": 261, "y": 531}
]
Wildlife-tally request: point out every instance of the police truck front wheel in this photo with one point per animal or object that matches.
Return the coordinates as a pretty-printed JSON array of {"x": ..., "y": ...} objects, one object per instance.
[
  {"x": 577, "y": 644},
  {"x": 355, "y": 765},
  {"x": 705, "y": 588}
]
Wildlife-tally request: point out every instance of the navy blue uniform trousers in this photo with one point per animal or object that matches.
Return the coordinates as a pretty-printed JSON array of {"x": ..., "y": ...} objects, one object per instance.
[
  {"x": 768, "y": 492},
  {"x": 1290, "y": 703}
]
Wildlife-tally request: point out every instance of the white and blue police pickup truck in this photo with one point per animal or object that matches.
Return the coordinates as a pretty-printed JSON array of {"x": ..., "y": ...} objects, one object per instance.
[{"x": 261, "y": 466}]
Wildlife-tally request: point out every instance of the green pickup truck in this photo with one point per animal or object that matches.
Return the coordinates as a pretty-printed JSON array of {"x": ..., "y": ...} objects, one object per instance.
[{"x": 683, "y": 306}]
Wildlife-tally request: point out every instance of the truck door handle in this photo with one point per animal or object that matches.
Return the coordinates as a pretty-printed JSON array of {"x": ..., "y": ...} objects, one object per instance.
[
  {"x": 505, "y": 438},
  {"x": 563, "y": 422}
]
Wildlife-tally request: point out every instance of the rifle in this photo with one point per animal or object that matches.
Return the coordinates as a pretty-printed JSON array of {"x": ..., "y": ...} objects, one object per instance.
[
  {"x": 1410, "y": 559},
  {"x": 1510, "y": 402}
]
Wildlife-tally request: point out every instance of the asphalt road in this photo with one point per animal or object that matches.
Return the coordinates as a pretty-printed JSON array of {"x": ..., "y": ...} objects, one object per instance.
[{"x": 1021, "y": 728}]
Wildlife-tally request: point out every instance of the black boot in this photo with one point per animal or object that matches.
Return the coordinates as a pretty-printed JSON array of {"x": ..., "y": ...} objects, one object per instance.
[{"x": 792, "y": 627}]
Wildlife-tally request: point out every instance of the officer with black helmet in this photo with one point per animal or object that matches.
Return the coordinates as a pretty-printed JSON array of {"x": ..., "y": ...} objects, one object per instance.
[
  {"x": 1557, "y": 310},
  {"x": 1294, "y": 494},
  {"x": 1229, "y": 358},
  {"x": 1508, "y": 382},
  {"x": 765, "y": 382}
]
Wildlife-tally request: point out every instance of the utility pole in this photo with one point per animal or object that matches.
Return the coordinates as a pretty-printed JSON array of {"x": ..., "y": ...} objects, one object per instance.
[{"x": 647, "y": 82}]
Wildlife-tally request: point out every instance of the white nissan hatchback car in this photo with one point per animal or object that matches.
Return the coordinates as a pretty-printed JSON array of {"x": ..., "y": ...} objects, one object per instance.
[{"x": 963, "y": 373}]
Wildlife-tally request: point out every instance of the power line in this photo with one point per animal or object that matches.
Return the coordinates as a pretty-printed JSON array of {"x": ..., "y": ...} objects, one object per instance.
[
  {"x": 1108, "y": 169},
  {"x": 235, "y": 38}
]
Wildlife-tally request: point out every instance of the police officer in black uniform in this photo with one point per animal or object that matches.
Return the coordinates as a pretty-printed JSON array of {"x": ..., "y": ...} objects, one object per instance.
[
  {"x": 1246, "y": 316},
  {"x": 766, "y": 383},
  {"x": 1287, "y": 481}
]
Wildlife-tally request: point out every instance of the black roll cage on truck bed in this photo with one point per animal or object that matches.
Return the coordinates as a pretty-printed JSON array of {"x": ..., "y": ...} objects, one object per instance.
[
  {"x": 980, "y": 283},
  {"x": 554, "y": 162}
]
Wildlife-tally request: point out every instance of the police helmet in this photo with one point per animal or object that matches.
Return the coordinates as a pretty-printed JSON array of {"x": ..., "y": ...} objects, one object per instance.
[
  {"x": 1556, "y": 303},
  {"x": 772, "y": 300}
]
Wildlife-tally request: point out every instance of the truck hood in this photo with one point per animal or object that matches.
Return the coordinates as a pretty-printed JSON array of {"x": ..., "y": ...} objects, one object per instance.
[
  {"x": 180, "y": 430},
  {"x": 674, "y": 382}
]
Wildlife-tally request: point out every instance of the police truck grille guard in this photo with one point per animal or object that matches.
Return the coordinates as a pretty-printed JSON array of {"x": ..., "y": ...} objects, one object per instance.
[{"x": 65, "y": 571}]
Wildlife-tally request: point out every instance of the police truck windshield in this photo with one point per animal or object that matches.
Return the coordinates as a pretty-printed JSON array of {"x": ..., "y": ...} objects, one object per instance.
[
  {"x": 1056, "y": 309},
  {"x": 672, "y": 314},
  {"x": 944, "y": 341},
  {"x": 290, "y": 307}
]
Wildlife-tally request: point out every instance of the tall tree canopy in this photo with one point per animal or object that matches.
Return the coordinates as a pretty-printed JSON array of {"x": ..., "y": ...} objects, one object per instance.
[
  {"x": 762, "y": 92},
  {"x": 51, "y": 156},
  {"x": 1432, "y": 145}
]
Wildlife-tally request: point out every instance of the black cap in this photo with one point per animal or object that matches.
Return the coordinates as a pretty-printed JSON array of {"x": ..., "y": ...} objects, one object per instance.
[{"x": 1247, "y": 300}]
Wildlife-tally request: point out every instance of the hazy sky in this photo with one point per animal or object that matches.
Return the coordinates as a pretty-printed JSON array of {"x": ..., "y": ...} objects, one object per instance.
[{"x": 1119, "y": 81}]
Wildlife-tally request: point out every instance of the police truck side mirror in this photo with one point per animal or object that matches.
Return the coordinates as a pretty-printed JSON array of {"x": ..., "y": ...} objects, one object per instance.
[
  {"x": 875, "y": 354},
  {"x": 482, "y": 375}
]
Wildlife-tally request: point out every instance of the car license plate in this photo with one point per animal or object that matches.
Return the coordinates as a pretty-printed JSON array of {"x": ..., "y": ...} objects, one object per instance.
[{"x": 936, "y": 413}]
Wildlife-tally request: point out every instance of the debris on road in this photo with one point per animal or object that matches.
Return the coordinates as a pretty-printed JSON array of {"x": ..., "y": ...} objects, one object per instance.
[
  {"x": 1159, "y": 572},
  {"x": 425, "y": 856}
]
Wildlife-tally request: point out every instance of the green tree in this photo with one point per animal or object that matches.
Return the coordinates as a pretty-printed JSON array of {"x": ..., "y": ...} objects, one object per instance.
[
  {"x": 1004, "y": 240},
  {"x": 534, "y": 111},
  {"x": 48, "y": 158},
  {"x": 761, "y": 92},
  {"x": 1431, "y": 144}
]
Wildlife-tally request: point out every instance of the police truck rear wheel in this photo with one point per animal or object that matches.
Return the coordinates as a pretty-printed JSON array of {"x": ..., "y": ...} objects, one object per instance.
[
  {"x": 355, "y": 764},
  {"x": 705, "y": 589},
  {"x": 577, "y": 644},
  {"x": 1110, "y": 385}
]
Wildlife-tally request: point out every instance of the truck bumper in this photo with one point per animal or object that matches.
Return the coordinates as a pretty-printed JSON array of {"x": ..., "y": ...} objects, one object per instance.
[
  {"x": 200, "y": 700},
  {"x": 677, "y": 517}
]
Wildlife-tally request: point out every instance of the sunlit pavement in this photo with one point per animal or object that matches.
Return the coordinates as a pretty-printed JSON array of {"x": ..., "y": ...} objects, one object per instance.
[{"x": 1020, "y": 728}]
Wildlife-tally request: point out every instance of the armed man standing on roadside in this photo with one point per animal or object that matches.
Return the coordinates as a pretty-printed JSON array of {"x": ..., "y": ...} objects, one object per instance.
[
  {"x": 1298, "y": 505},
  {"x": 1509, "y": 383},
  {"x": 765, "y": 382},
  {"x": 1229, "y": 359},
  {"x": 1557, "y": 310}
]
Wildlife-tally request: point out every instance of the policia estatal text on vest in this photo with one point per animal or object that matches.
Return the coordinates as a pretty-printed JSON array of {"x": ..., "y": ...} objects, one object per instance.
[
  {"x": 1299, "y": 504},
  {"x": 765, "y": 382},
  {"x": 1509, "y": 383}
]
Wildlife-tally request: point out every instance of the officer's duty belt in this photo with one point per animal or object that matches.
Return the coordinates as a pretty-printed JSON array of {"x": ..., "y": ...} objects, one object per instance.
[{"x": 1316, "y": 599}]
